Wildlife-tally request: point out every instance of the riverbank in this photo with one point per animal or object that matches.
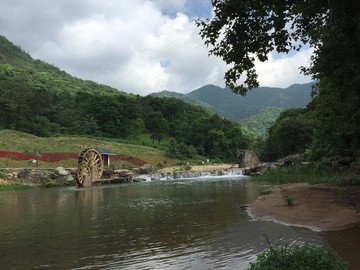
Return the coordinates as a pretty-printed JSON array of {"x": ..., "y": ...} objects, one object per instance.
[
  {"x": 319, "y": 207},
  {"x": 57, "y": 177}
]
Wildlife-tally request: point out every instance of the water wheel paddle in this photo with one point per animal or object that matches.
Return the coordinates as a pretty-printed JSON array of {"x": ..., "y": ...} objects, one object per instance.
[{"x": 90, "y": 167}]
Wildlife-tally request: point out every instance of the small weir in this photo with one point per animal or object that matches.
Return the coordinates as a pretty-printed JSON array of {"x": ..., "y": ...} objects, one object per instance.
[{"x": 190, "y": 175}]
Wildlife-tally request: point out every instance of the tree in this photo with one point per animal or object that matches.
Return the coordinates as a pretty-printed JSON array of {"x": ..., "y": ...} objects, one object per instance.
[
  {"x": 40, "y": 126},
  {"x": 156, "y": 123},
  {"x": 292, "y": 136},
  {"x": 136, "y": 127},
  {"x": 157, "y": 136},
  {"x": 243, "y": 31},
  {"x": 216, "y": 143},
  {"x": 291, "y": 133},
  {"x": 173, "y": 148}
]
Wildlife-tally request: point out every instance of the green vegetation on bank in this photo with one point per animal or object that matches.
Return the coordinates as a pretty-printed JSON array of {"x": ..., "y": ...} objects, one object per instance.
[
  {"x": 13, "y": 185},
  {"x": 312, "y": 174},
  {"x": 298, "y": 257}
]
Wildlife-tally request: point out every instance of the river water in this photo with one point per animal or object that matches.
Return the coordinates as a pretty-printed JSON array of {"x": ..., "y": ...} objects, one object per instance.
[{"x": 187, "y": 224}]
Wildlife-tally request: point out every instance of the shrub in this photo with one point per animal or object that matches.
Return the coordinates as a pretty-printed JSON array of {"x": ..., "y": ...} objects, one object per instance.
[
  {"x": 12, "y": 185},
  {"x": 289, "y": 200},
  {"x": 298, "y": 257},
  {"x": 296, "y": 174}
]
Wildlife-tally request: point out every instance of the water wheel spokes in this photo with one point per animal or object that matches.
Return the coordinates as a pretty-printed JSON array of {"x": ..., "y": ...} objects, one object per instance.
[{"x": 90, "y": 167}]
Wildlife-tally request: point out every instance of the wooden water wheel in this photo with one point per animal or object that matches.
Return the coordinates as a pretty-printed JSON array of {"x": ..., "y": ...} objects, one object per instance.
[{"x": 90, "y": 167}]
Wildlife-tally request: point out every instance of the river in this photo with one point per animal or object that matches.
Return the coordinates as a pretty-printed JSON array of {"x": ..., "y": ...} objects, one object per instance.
[{"x": 187, "y": 224}]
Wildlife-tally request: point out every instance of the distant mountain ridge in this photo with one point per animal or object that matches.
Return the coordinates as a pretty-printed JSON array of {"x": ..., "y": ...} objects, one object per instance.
[{"x": 239, "y": 108}]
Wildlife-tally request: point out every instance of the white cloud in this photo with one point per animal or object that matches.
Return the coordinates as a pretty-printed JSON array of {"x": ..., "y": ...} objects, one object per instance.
[
  {"x": 283, "y": 71},
  {"x": 144, "y": 55},
  {"x": 138, "y": 46}
]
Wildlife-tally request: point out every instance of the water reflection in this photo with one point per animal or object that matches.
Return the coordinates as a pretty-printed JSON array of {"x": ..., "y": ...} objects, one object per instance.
[
  {"x": 347, "y": 245},
  {"x": 192, "y": 224}
]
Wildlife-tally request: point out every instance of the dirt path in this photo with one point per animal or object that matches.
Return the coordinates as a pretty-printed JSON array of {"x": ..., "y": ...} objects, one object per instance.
[{"x": 319, "y": 207}]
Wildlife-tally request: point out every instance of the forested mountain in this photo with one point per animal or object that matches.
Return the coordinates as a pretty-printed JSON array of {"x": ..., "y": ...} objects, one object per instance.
[
  {"x": 238, "y": 108},
  {"x": 15, "y": 61},
  {"x": 40, "y": 99},
  {"x": 259, "y": 123}
]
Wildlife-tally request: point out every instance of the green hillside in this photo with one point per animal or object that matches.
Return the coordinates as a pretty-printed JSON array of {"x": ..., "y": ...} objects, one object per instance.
[
  {"x": 26, "y": 143},
  {"x": 14, "y": 62},
  {"x": 257, "y": 111},
  {"x": 184, "y": 97},
  {"x": 39, "y": 99},
  {"x": 261, "y": 122}
]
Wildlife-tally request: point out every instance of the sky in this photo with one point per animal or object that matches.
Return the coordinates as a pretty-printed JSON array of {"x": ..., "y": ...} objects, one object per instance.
[{"x": 137, "y": 46}]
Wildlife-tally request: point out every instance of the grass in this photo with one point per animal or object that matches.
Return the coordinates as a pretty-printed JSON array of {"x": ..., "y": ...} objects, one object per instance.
[
  {"x": 145, "y": 140},
  {"x": 27, "y": 143},
  {"x": 13, "y": 185},
  {"x": 298, "y": 257},
  {"x": 10, "y": 163},
  {"x": 311, "y": 174}
]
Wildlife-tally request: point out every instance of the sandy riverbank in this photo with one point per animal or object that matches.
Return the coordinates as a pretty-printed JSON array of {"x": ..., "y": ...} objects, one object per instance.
[
  {"x": 201, "y": 168},
  {"x": 319, "y": 207}
]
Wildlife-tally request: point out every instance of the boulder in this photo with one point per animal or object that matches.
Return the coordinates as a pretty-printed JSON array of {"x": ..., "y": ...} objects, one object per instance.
[
  {"x": 124, "y": 173},
  {"x": 61, "y": 171},
  {"x": 36, "y": 177},
  {"x": 247, "y": 159},
  {"x": 339, "y": 163},
  {"x": 23, "y": 174},
  {"x": 70, "y": 179},
  {"x": 139, "y": 179},
  {"x": 145, "y": 169},
  {"x": 289, "y": 160},
  {"x": 261, "y": 168}
]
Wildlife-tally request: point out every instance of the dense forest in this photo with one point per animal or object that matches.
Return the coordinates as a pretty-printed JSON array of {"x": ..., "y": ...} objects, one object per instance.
[
  {"x": 243, "y": 32},
  {"x": 40, "y": 99},
  {"x": 256, "y": 111}
]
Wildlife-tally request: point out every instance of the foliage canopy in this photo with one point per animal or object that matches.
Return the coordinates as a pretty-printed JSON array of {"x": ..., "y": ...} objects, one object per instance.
[
  {"x": 38, "y": 98},
  {"x": 243, "y": 31}
]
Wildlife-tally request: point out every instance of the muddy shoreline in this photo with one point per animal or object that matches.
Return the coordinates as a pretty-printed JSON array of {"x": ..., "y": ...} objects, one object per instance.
[{"x": 318, "y": 207}]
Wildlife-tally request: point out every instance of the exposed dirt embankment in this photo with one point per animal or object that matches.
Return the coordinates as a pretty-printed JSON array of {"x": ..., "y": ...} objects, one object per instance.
[{"x": 319, "y": 207}]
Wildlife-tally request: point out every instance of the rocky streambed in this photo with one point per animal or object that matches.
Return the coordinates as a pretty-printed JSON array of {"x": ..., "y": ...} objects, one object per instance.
[{"x": 60, "y": 176}]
